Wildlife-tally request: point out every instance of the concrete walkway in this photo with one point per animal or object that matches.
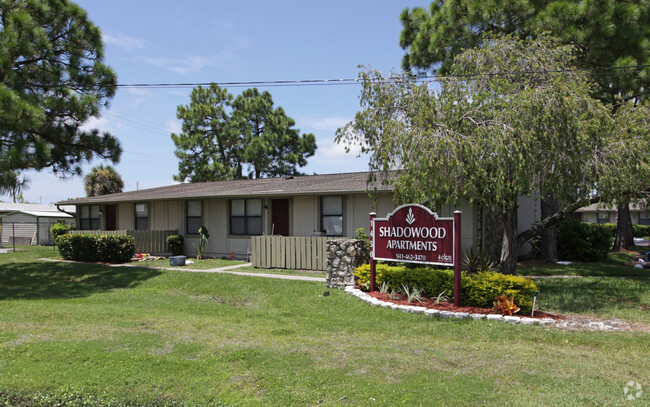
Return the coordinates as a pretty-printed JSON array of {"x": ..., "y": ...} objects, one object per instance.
[
  {"x": 229, "y": 270},
  {"x": 223, "y": 270}
]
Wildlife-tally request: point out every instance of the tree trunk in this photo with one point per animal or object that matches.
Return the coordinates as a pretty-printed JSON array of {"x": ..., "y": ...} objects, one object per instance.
[
  {"x": 624, "y": 231},
  {"x": 549, "y": 235},
  {"x": 510, "y": 246}
]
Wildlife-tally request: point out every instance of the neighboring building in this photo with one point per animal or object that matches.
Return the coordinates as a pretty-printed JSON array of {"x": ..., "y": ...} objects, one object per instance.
[
  {"x": 596, "y": 213},
  {"x": 233, "y": 211},
  {"x": 26, "y": 224}
]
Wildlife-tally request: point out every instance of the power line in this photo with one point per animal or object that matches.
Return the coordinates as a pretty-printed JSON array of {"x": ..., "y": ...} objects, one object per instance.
[{"x": 354, "y": 81}]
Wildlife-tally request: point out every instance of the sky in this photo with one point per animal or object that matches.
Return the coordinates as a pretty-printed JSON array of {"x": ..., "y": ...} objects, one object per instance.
[{"x": 194, "y": 41}]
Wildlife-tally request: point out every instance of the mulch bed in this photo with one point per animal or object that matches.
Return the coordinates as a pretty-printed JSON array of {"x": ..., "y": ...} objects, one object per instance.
[{"x": 448, "y": 306}]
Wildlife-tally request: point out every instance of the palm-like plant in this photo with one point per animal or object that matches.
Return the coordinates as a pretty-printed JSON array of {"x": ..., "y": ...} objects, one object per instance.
[
  {"x": 103, "y": 180},
  {"x": 11, "y": 184}
]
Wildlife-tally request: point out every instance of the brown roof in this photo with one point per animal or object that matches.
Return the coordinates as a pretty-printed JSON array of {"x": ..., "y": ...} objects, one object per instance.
[
  {"x": 353, "y": 182},
  {"x": 600, "y": 208}
]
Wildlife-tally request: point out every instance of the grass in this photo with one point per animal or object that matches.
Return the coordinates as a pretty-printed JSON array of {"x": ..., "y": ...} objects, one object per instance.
[
  {"x": 94, "y": 334},
  {"x": 199, "y": 264},
  {"x": 611, "y": 289},
  {"x": 37, "y": 252}
]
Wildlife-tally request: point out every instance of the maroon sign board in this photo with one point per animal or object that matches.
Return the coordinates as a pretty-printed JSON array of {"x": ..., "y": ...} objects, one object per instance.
[{"x": 414, "y": 234}]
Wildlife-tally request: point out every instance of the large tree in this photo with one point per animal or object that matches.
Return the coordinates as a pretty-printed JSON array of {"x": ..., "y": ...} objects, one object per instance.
[
  {"x": 513, "y": 119},
  {"x": 231, "y": 138},
  {"x": 610, "y": 35},
  {"x": 103, "y": 180},
  {"x": 52, "y": 80}
]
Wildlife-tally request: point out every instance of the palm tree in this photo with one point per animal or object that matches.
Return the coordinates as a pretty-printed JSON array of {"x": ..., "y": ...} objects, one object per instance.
[
  {"x": 12, "y": 185},
  {"x": 103, "y": 180}
]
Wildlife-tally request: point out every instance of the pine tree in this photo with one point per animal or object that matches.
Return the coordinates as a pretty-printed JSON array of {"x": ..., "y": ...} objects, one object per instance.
[{"x": 52, "y": 80}]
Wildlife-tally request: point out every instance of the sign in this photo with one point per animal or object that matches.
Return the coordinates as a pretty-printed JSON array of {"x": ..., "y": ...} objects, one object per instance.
[{"x": 414, "y": 234}]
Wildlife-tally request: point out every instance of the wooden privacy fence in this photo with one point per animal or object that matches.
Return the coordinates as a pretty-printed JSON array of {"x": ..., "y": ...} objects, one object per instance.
[
  {"x": 146, "y": 241},
  {"x": 294, "y": 252}
]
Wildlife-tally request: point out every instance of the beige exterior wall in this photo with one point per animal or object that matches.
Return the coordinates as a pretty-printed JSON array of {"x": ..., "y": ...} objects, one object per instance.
[
  {"x": 592, "y": 217},
  {"x": 18, "y": 225},
  {"x": 35, "y": 228},
  {"x": 304, "y": 216},
  {"x": 125, "y": 216},
  {"x": 304, "y": 219}
]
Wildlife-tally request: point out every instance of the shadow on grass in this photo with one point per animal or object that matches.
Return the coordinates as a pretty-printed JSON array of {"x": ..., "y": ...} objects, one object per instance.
[
  {"x": 40, "y": 280},
  {"x": 591, "y": 294},
  {"x": 582, "y": 269}
]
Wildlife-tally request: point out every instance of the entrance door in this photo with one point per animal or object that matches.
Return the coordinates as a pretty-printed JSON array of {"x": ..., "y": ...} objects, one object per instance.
[
  {"x": 280, "y": 217},
  {"x": 111, "y": 219}
]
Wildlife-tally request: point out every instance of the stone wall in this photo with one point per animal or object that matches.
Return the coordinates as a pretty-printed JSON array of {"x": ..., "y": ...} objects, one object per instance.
[{"x": 343, "y": 256}]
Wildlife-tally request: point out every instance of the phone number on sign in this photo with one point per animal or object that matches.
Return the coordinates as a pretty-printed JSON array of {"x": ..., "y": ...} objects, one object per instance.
[{"x": 410, "y": 257}]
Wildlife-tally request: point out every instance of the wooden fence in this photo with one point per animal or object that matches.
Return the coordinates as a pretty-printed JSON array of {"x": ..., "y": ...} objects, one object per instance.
[
  {"x": 297, "y": 253},
  {"x": 146, "y": 241}
]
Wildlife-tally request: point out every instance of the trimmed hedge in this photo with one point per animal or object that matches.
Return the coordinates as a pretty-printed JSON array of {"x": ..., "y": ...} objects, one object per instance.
[
  {"x": 478, "y": 290},
  {"x": 59, "y": 229},
  {"x": 175, "y": 243},
  {"x": 101, "y": 248},
  {"x": 586, "y": 242},
  {"x": 641, "y": 230},
  {"x": 637, "y": 230}
]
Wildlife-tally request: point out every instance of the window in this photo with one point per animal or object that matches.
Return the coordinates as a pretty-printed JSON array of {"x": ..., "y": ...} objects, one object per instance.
[
  {"x": 89, "y": 217},
  {"x": 142, "y": 216},
  {"x": 644, "y": 218},
  {"x": 332, "y": 215},
  {"x": 246, "y": 217},
  {"x": 603, "y": 217},
  {"x": 194, "y": 219}
]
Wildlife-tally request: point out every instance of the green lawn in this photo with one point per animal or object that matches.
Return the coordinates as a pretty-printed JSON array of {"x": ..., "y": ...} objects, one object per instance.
[
  {"x": 200, "y": 264},
  {"x": 610, "y": 289},
  {"x": 92, "y": 334}
]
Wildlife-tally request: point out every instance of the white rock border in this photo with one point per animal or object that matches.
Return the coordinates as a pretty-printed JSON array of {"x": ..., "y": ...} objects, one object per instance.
[{"x": 446, "y": 314}]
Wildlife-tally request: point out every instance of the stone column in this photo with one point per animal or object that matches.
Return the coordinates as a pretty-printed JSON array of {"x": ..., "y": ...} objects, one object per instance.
[{"x": 343, "y": 256}]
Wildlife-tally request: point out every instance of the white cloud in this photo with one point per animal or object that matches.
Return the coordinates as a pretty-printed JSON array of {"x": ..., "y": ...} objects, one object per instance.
[
  {"x": 226, "y": 59},
  {"x": 101, "y": 124},
  {"x": 140, "y": 96},
  {"x": 324, "y": 123},
  {"x": 124, "y": 41},
  {"x": 181, "y": 66},
  {"x": 174, "y": 126},
  {"x": 335, "y": 150}
]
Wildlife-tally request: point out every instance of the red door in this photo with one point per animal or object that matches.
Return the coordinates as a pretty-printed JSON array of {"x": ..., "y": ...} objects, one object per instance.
[
  {"x": 111, "y": 220},
  {"x": 280, "y": 217}
]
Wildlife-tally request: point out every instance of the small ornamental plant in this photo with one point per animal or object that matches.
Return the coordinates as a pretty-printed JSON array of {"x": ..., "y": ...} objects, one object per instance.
[
  {"x": 506, "y": 305},
  {"x": 203, "y": 239}
]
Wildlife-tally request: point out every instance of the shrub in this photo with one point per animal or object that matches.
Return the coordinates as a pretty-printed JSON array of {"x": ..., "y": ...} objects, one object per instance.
[
  {"x": 475, "y": 260},
  {"x": 102, "y": 248},
  {"x": 578, "y": 241},
  {"x": 488, "y": 285},
  {"x": 479, "y": 290},
  {"x": 204, "y": 235},
  {"x": 609, "y": 227},
  {"x": 175, "y": 243},
  {"x": 641, "y": 230},
  {"x": 59, "y": 229}
]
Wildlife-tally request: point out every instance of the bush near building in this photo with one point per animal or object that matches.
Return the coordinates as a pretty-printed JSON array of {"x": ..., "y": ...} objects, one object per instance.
[{"x": 100, "y": 248}]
